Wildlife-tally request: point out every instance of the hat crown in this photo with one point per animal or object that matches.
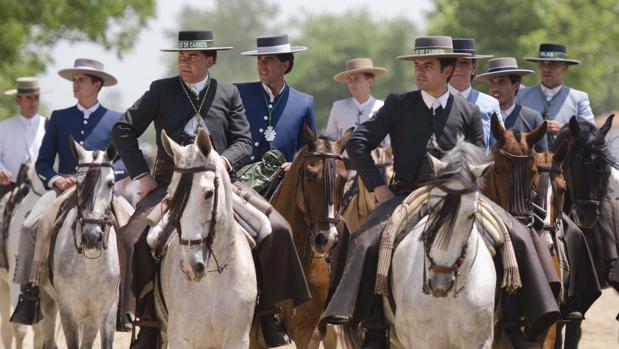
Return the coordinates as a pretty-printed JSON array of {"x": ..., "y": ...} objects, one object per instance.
[
  {"x": 272, "y": 40},
  {"x": 359, "y": 63},
  {"x": 26, "y": 83},
  {"x": 191, "y": 35},
  {"x": 550, "y": 47},
  {"x": 88, "y": 63},
  {"x": 502, "y": 64},
  {"x": 433, "y": 42},
  {"x": 466, "y": 45}
]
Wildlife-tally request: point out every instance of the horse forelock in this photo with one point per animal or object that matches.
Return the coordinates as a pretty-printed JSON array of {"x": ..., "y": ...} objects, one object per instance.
[{"x": 458, "y": 162}]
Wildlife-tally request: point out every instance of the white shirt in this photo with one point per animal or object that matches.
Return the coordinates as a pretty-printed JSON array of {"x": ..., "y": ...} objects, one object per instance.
[
  {"x": 550, "y": 92},
  {"x": 192, "y": 124},
  {"x": 198, "y": 86},
  {"x": 454, "y": 91},
  {"x": 432, "y": 103},
  {"x": 505, "y": 113},
  {"x": 269, "y": 93},
  {"x": 20, "y": 140}
]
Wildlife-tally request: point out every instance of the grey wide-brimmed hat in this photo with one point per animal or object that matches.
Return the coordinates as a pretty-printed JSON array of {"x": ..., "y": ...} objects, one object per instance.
[
  {"x": 501, "y": 67},
  {"x": 465, "y": 45},
  {"x": 552, "y": 52},
  {"x": 359, "y": 65},
  {"x": 433, "y": 47},
  {"x": 196, "y": 40},
  {"x": 273, "y": 45},
  {"x": 89, "y": 67},
  {"x": 26, "y": 86}
]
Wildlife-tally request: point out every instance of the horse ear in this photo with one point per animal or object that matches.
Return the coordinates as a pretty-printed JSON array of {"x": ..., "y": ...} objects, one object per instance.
[
  {"x": 537, "y": 134},
  {"x": 498, "y": 131},
  {"x": 309, "y": 134},
  {"x": 77, "y": 150},
  {"x": 574, "y": 126},
  {"x": 110, "y": 152},
  {"x": 169, "y": 145},
  {"x": 437, "y": 165},
  {"x": 480, "y": 170},
  {"x": 204, "y": 142},
  {"x": 561, "y": 152},
  {"x": 607, "y": 125},
  {"x": 341, "y": 143}
]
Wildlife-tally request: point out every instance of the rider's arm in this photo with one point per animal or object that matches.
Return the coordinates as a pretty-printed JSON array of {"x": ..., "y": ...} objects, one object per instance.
[
  {"x": 366, "y": 138},
  {"x": 239, "y": 149},
  {"x": 47, "y": 154}
]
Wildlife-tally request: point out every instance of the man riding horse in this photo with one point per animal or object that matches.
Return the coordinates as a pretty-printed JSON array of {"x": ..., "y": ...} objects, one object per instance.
[
  {"x": 181, "y": 105},
  {"x": 90, "y": 124}
]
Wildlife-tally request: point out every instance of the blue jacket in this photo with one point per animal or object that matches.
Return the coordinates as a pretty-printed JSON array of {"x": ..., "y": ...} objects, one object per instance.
[
  {"x": 92, "y": 134},
  {"x": 291, "y": 109},
  {"x": 488, "y": 106}
]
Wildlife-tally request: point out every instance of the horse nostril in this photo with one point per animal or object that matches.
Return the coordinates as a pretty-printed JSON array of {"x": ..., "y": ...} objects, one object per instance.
[
  {"x": 321, "y": 240},
  {"x": 199, "y": 268},
  {"x": 100, "y": 238},
  {"x": 84, "y": 240}
]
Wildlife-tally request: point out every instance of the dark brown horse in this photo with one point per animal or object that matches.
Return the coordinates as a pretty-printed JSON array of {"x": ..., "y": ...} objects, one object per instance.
[
  {"x": 511, "y": 184},
  {"x": 309, "y": 197}
]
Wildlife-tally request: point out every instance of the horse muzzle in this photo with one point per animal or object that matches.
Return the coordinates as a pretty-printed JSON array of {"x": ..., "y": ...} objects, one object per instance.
[
  {"x": 193, "y": 266},
  {"x": 439, "y": 285},
  {"x": 586, "y": 215},
  {"x": 92, "y": 239},
  {"x": 324, "y": 240}
]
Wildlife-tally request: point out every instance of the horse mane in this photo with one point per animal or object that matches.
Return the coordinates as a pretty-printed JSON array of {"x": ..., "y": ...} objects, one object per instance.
[{"x": 180, "y": 198}]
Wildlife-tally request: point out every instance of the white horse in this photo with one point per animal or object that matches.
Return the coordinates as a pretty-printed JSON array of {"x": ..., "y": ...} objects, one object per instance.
[
  {"x": 86, "y": 271},
  {"x": 9, "y": 291},
  {"x": 210, "y": 299},
  {"x": 443, "y": 276}
]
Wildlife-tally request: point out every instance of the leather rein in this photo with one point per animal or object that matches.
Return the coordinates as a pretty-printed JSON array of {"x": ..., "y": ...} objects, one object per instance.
[
  {"x": 104, "y": 222},
  {"x": 329, "y": 171}
]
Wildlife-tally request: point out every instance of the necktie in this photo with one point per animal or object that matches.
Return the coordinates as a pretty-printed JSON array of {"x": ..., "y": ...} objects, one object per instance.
[{"x": 436, "y": 104}]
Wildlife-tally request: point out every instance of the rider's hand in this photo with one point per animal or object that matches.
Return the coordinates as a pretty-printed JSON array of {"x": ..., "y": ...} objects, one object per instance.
[
  {"x": 5, "y": 177},
  {"x": 383, "y": 194},
  {"x": 148, "y": 184},
  {"x": 63, "y": 183},
  {"x": 286, "y": 166},
  {"x": 553, "y": 126}
]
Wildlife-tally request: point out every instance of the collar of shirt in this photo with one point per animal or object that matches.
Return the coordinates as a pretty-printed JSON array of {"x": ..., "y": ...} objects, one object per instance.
[
  {"x": 361, "y": 106},
  {"x": 454, "y": 91},
  {"x": 198, "y": 86},
  {"x": 269, "y": 93},
  {"x": 550, "y": 92},
  {"x": 432, "y": 102},
  {"x": 88, "y": 111},
  {"x": 507, "y": 112},
  {"x": 28, "y": 122}
]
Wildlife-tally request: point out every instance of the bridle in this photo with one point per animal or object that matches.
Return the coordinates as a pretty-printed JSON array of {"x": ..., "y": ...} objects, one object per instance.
[
  {"x": 329, "y": 171},
  {"x": 568, "y": 177},
  {"x": 208, "y": 240},
  {"x": 546, "y": 174},
  {"x": 520, "y": 197},
  {"x": 84, "y": 193}
]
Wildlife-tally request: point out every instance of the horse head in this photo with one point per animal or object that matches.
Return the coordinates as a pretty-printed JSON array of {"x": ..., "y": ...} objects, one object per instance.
[
  {"x": 322, "y": 175},
  {"x": 452, "y": 204},
  {"x": 510, "y": 182},
  {"x": 94, "y": 191},
  {"x": 587, "y": 168},
  {"x": 549, "y": 175},
  {"x": 201, "y": 202}
]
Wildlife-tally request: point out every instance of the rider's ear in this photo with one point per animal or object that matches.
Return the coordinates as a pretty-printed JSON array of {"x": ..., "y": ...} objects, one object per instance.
[
  {"x": 77, "y": 150},
  {"x": 169, "y": 145},
  {"x": 498, "y": 131},
  {"x": 204, "y": 142},
  {"x": 537, "y": 134},
  {"x": 341, "y": 143},
  {"x": 607, "y": 125}
]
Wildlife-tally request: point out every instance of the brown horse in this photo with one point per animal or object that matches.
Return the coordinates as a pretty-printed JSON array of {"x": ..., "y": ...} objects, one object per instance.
[
  {"x": 309, "y": 197},
  {"x": 511, "y": 184}
]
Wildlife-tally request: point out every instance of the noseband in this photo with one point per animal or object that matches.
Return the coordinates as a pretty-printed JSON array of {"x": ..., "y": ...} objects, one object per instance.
[
  {"x": 329, "y": 171},
  {"x": 83, "y": 194},
  {"x": 519, "y": 201},
  {"x": 547, "y": 173}
]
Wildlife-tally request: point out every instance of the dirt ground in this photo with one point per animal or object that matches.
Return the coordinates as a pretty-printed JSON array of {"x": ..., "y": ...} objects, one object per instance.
[{"x": 600, "y": 329}]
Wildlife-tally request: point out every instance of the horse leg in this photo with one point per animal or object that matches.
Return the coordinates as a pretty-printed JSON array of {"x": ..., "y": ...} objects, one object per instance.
[
  {"x": 559, "y": 340},
  {"x": 45, "y": 331},
  {"x": 5, "y": 310},
  {"x": 90, "y": 328},
  {"x": 108, "y": 328},
  {"x": 572, "y": 334},
  {"x": 70, "y": 327}
]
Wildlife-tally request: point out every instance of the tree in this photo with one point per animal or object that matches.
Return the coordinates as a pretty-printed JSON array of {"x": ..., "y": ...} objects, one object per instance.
[
  {"x": 29, "y": 27},
  {"x": 334, "y": 39},
  {"x": 517, "y": 27},
  {"x": 234, "y": 23}
]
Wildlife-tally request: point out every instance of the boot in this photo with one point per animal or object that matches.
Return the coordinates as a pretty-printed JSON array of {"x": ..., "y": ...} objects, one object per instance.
[
  {"x": 375, "y": 338},
  {"x": 273, "y": 330},
  {"x": 147, "y": 338},
  {"x": 28, "y": 309},
  {"x": 124, "y": 323}
]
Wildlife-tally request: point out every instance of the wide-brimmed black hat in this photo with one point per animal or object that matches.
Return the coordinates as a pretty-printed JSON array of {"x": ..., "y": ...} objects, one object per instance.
[
  {"x": 552, "y": 52},
  {"x": 196, "y": 40},
  {"x": 273, "y": 45},
  {"x": 465, "y": 45},
  {"x": 89, "y": 67},
  {"x": 501, "y": 67},
  {"x": 433, "y": 47}
]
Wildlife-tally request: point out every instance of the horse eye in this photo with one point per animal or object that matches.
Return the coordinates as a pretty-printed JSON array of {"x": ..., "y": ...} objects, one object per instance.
[
  {"x": 110, "y": 184},
  {"x": 209, "y": 194}
]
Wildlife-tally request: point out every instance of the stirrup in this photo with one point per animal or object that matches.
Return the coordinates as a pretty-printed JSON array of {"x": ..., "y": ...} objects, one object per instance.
[{"x": 28, "y": 309}]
